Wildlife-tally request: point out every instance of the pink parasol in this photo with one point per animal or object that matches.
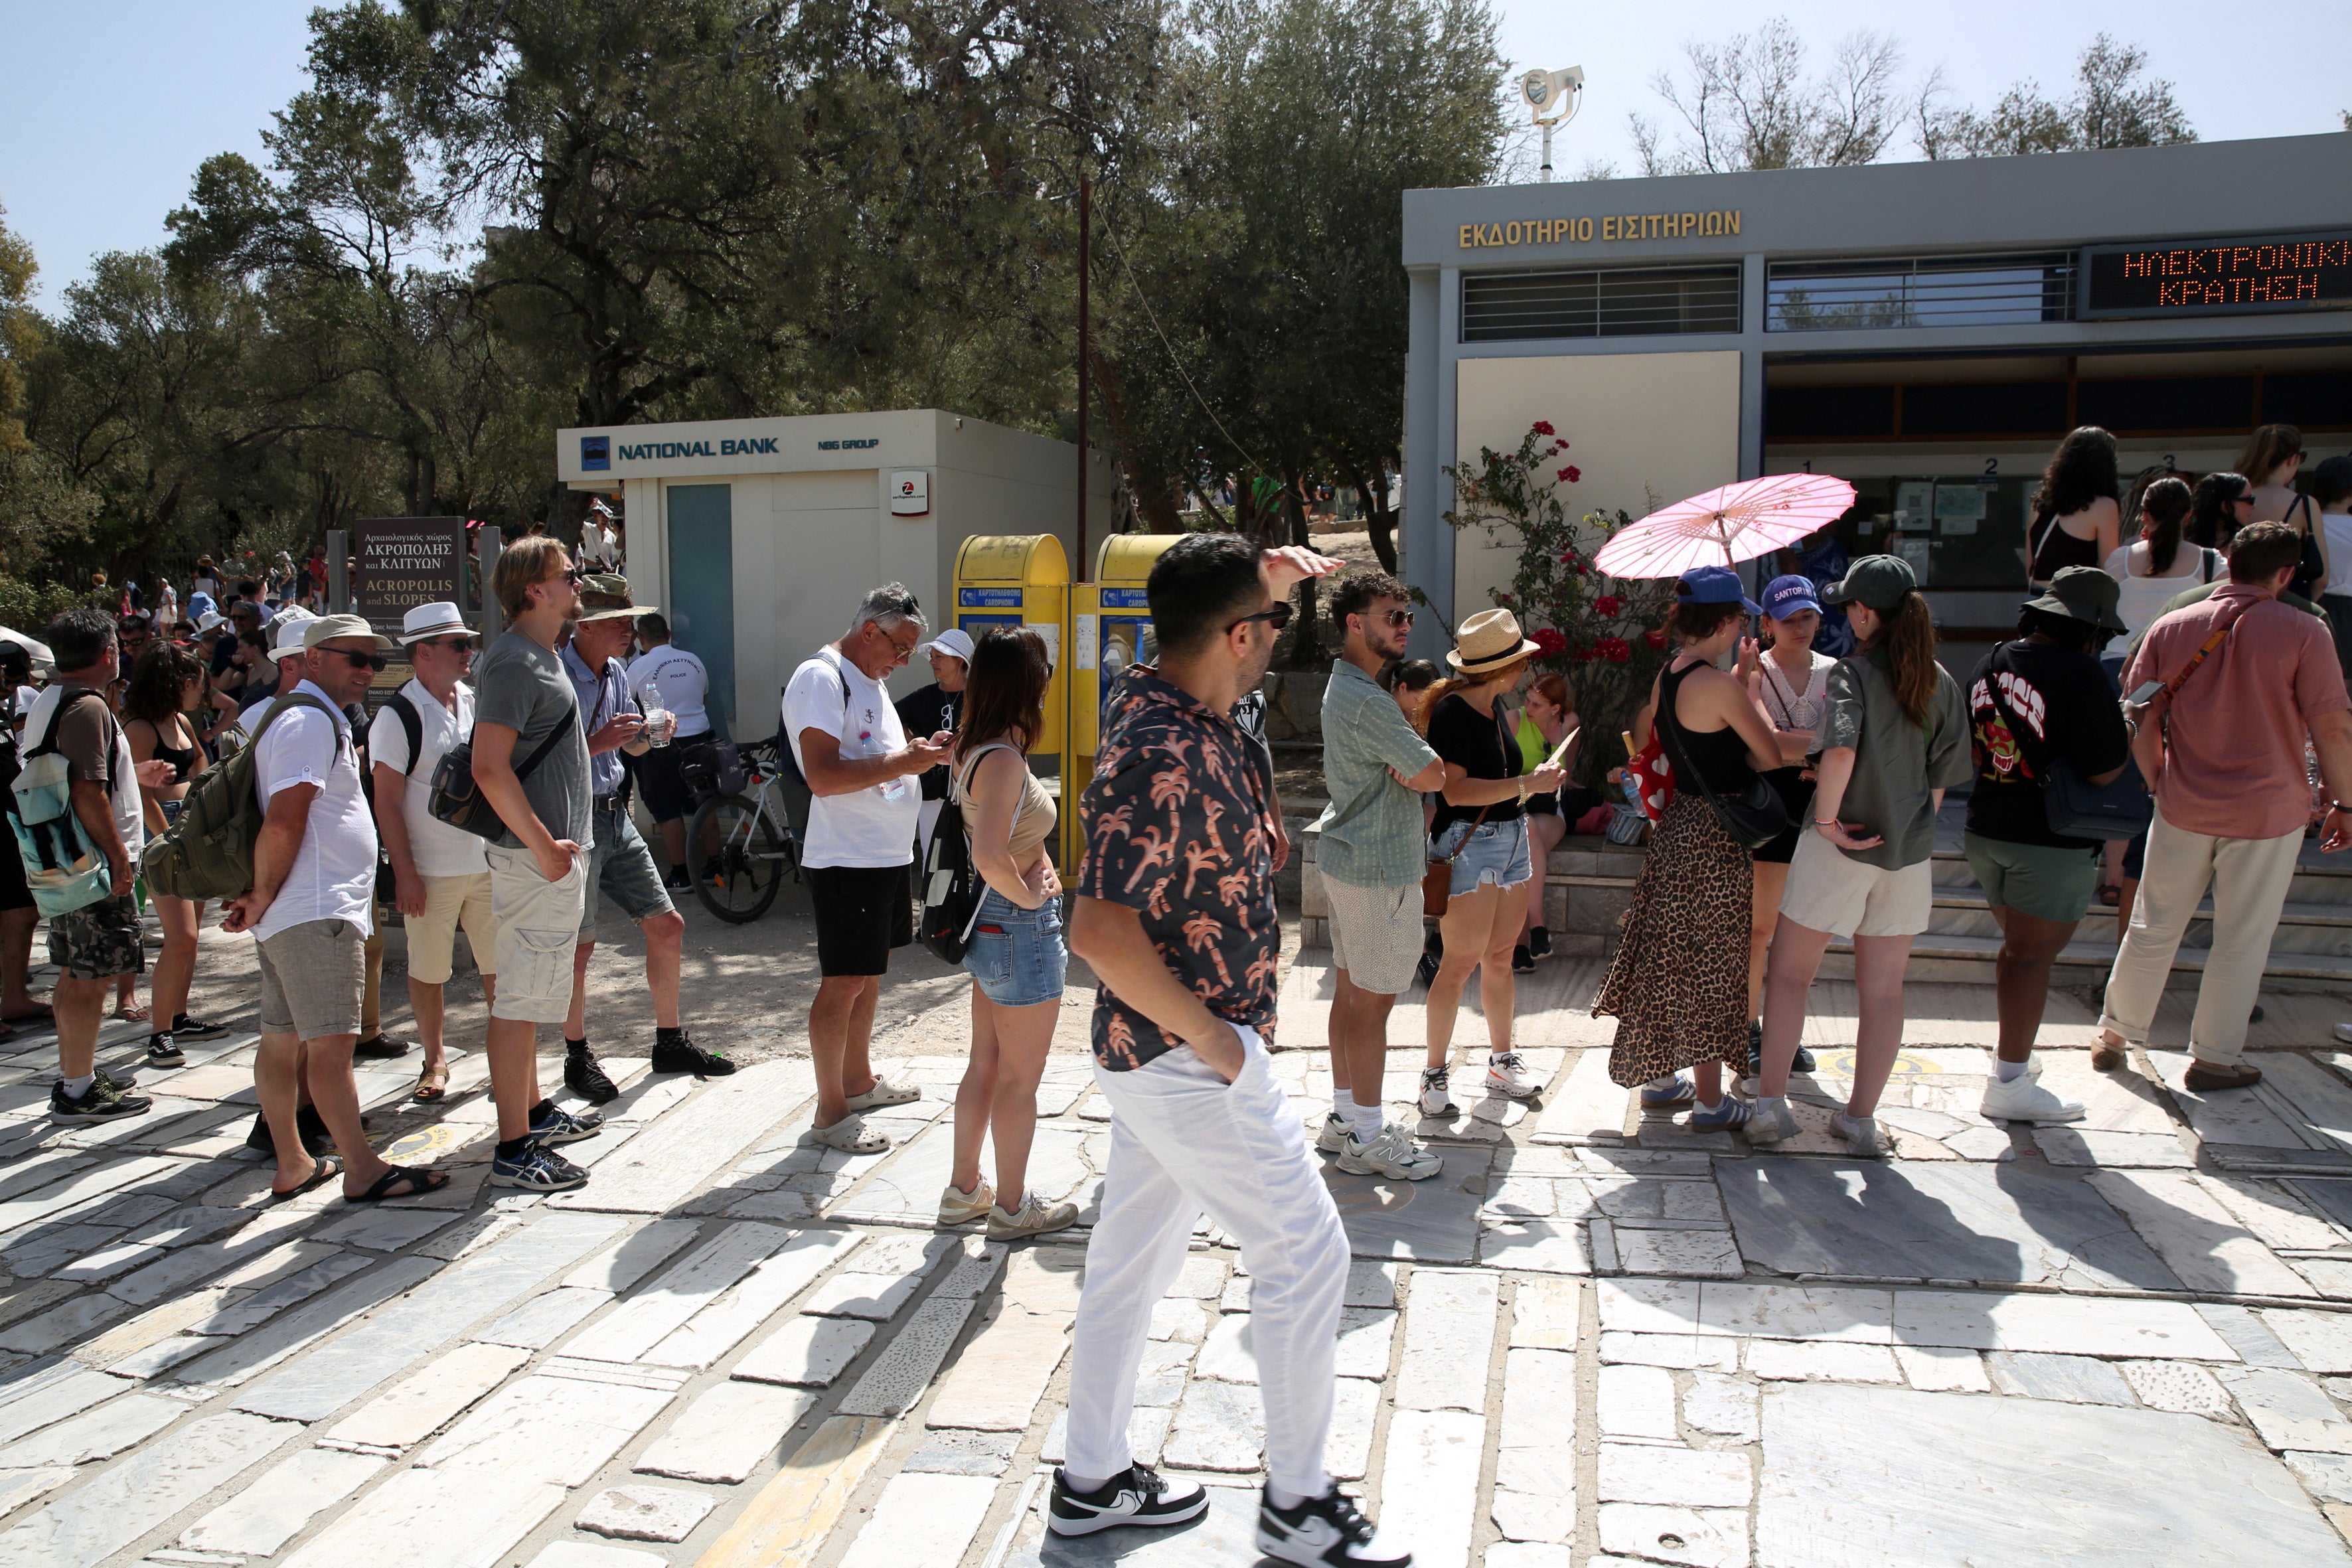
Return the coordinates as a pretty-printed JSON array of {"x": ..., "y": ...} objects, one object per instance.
[{"x": 1726, "y": 526}]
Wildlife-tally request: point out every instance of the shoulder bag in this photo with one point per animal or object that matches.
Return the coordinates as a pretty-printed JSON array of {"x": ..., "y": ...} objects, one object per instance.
[
  {"x": 2073, "y": 807},
  {"x": 1437, "y": 882},
  {"x": 458, "y": 800},
  {"x": 1755, "y": 817}
]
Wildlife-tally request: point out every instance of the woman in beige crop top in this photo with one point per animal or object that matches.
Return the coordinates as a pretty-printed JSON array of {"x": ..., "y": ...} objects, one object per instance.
[{"x": 1016, "y": 958}]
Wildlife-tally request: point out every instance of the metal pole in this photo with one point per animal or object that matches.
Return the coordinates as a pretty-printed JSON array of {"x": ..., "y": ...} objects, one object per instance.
[
  {"x": 493, "y": 623},
  {"x": 1086, "y": 223},
  {"x": 339, "y": 571},
  {"x": 1546, "y": 152}
]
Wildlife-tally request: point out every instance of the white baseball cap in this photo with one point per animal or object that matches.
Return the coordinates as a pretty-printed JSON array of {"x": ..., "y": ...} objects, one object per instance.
[
  {"x": 954, "y": 640},
  {"x": 432, "y": 620}
]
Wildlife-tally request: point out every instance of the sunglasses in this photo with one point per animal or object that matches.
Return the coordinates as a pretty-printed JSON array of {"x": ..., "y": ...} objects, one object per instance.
[
  {"x": 453, "y": 643},
  {"x": 1399, "y": 619},
  {"x": 374, "y": 661},
  {"x": 1277, "y": 617}
]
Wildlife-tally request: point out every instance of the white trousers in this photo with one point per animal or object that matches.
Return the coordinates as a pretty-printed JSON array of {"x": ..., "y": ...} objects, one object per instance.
[
  {"x": 2250, "y": 877},
  {"x": 1183, "y": 1142}
]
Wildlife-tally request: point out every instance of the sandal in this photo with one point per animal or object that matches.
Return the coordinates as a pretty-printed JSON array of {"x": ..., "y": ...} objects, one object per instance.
[
  {"x": 323, "y": 1171},
  {"x": 420, "y": 1182},
  {"x": 431, "y": 1084},
  {"x": 133, "y": 1014},
  {"x": 849, "y": 1136}
]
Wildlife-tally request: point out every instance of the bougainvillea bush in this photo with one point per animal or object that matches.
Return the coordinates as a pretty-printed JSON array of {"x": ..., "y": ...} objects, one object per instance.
[{"x": 1604, "y": 635}]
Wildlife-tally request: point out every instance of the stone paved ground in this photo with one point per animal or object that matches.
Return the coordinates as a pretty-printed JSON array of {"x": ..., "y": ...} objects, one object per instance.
[{"x": 1596, "y": 1338}]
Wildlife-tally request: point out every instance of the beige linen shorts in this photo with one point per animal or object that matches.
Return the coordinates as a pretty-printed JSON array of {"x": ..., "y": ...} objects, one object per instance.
[
  {"x": 1375, "y": 935},
  {"x": 1831, "y": 891},
  {"x": 312, "y": 978},
  {"x": 450, "y": 902},
  {"x": 539, "y": 923}
]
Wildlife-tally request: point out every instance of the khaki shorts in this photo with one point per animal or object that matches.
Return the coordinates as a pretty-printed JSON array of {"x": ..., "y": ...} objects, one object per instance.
[
  {"x": 449, "y": 902},
  {"x": 1375, "y": 935},
  {"x": 312, "y": 978},
  {"x": 539, "y": 923},
  {"x": 1830, "y": 890}
]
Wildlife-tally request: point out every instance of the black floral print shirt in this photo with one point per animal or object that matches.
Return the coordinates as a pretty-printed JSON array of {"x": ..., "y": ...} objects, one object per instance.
[{"x": 1175, "y": 825}]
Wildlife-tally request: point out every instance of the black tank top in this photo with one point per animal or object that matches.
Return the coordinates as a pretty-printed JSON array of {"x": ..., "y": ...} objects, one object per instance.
[
  {"x": 1721, "y": 755},
  {"x": 182, "y": 758},
  {"x": 2054, "y": 547}
]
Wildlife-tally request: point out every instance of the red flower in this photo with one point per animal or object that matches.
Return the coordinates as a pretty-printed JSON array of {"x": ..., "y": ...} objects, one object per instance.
[
  {"x": 1543, "y": 427},
  {"x": 1568, "y": 557},
  {"x": 1654, "y": 639},
  {"x": 1572, "y": 473},
  {"x": 1616, "y": 650},
  {"x": 1582, "y": 569},
  {"x": 1607, "y": 604},
  {"x": 1549, "y": 643}
]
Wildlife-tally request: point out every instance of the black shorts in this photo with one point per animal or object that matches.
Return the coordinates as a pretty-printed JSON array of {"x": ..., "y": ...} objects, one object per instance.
[
  {"x": 862, "y": 912},
  {"x": 1796, "y": 793},
  {"x": 666, "y": 797}
]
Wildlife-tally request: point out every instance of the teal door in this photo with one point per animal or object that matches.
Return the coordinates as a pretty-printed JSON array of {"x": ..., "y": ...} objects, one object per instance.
[{"x": 702, "y": 587}]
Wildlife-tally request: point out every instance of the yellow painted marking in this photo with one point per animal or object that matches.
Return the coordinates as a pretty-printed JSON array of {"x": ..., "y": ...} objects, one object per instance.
[
  {"x": 786, "y": 1524},
  {"x": 1840, "y": 1064}
]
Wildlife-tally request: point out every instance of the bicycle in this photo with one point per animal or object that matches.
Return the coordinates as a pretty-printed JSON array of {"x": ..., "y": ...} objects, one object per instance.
[{"x": 740, "y": 847}]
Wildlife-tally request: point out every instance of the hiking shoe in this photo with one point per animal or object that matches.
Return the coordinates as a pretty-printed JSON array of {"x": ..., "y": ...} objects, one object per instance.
[
  {"x": 884, "y": 1092},
  {"x": 1140, "y": 1496},
  {"x": 552, "y": 1124},
  {"x": 2023, "y": 1099},
  {"x": 1729, "y": 1112},
  {"x": 1675, "y": 1089},
  {"x": 1522, "y": 960},
  {"x": 585, "y": 1077},
  {"x": 1333, "y": 1136},
  {"x": 188, "y": 1028},
  {"x": 1323, "y": 1533},
  {"x": 163, "y": 1051},
  {"x": 537, "y": 1170},
  {"x": 1436, "y": 1097},
  {"x": 1032, "y": 1219},
  {"x": 103, "y": 1100},
  {"x": 1771, "y": 1120},
  {"x": 960, "y": 1207},
  {"x": 1863, "y": 1133},
  {"x": 682, "y": 1055},
  {"x": 1539, "y": 942},
  {"x": 1507, "y": 1075},
  {"x": 383, "y": 1047},
  {"x": 1392, "y": 1154}
]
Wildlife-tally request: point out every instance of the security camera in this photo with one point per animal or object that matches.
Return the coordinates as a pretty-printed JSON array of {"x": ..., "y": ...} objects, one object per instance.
[{"x": 1552, "y": 97}]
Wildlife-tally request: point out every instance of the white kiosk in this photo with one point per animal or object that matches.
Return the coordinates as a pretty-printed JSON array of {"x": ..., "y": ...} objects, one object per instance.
[{"x": 757, "y": 537}]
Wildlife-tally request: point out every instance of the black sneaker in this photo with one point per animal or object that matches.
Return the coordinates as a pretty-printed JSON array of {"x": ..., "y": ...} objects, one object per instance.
[
  {"x": 556, "y": 1125},
  {"x": 1802, "y": 1061},
  {"x": 584, "y": 1077},
  {"x": 163, "y": 1051},
  {"x": 1141, "y": 1496},
  {"x": 316, "y": 1139},
  {"x": 680, "y": 1054},
  {"x": 188, "y": 1028},
  {"x": 383, "y": 1047},
  {"x": 676, "y": 877},
  {"x": 1522, "y": 960},
  {"x": 122, "y": 1085},
  {"x": 537, "y": 1170},
  {"x": 1539, "y": 942},
  {"x": 103, "y": 1100},
  {"x": 1323, "y": 1533}
]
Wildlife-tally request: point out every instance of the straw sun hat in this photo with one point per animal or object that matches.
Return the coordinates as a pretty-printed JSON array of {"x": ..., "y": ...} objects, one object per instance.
[{"x": 1489, "y": 641}]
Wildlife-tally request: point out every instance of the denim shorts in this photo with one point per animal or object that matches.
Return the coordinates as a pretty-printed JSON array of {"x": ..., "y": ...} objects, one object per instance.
[
  {"x": 621, "y": 868},
  {"x": 1016, "y": 956},
  {"x": 1497, "y": 853}
]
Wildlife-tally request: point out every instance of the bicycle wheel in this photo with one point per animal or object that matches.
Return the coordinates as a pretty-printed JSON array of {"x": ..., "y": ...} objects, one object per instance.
[{"x": 738, "y": 881}]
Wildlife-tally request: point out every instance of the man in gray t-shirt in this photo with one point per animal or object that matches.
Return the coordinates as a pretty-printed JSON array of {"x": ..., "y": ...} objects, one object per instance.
[{"x": 522, "y": 685}]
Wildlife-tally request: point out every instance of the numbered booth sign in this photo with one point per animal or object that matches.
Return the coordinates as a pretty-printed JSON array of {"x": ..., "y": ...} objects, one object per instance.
[{"x": 1111, "y": 628}]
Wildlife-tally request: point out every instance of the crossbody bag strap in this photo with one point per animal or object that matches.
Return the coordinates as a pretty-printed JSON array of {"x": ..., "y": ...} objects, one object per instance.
[
  {"x": 539, "y": 756},
  {"x": 2034, "y": 555},
  {"x": 1671, "y": 735},
  {"x": 959, "y": 785},
  {"x": 2172, "y": 688}
]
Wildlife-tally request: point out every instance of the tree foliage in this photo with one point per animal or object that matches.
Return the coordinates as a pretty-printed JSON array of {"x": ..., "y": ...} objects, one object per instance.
[
  {"x": 1748, "y": 103},
  {"x": 2113, "y": 104}
]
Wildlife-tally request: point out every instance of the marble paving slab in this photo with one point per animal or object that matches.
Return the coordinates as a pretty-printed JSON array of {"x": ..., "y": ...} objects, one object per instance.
[
  {"x": 1433, "y": 1221},
  {"x": 251, "y": 1353},
  {"x": 1225, "y": 1535},
  {"x": 102, "y": 1516},
  {"x": 660, "y": 1167}
]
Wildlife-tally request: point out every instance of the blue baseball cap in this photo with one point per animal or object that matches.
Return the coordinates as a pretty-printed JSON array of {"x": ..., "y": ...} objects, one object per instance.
[
  {"x": 1714, "y": 585},
  {"x": 1784, "y": 596}
]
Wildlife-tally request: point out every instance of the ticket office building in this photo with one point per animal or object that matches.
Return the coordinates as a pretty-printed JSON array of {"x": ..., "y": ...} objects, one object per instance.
[{"x": 1927, "y": 330}]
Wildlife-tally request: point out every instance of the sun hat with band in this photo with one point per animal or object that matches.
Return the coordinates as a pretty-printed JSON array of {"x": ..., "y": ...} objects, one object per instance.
[
  {"x": 1714, "y": 585},
  {"x": 325, "y": 629},
  {"x": 431, "y": 621},
  {"x": 1878, "y": 582},
  {"x": 2083, "y": 594},
  {"x": 604, "y": 597},
  {"x": 1488, "y": 641}
]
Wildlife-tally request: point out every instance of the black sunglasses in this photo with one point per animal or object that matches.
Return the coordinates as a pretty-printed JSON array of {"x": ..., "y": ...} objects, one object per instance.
[
  {"x": 444, "y": 642},
  {"x": 1277, "y": 617},
  {"x": 374, "y": 661}
]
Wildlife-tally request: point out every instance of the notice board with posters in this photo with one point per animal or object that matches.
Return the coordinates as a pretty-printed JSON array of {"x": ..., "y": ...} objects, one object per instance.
[{"x": 398, "y": 563}]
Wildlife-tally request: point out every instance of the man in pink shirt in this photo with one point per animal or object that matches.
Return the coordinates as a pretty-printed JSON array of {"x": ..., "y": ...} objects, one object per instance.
[{"x": 2224, "y": 742}]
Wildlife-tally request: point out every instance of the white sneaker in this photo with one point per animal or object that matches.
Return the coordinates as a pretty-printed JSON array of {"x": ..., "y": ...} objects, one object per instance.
[
  {"x": 1507, "y": 1075},
  {"x": 1392, "y": 1154},
  {"x": 1331, "y": 1138},
  {"x": 1436, "y": 1098},
  {"x": 2343, "y": 1033},
  {"x": 1863, "y": 1133},
  {"x": 2023, "y": 1099}
]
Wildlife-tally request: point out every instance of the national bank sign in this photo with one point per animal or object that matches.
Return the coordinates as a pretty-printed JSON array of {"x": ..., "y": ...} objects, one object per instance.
[{"x": 596, "y": 451}]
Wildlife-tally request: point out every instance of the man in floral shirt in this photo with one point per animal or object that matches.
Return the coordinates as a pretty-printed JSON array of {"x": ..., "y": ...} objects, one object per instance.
[{"x": 1174, "y": 912}]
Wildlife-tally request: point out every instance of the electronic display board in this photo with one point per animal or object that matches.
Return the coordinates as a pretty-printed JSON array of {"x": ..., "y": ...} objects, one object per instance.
[{"x": 2216, "y": 277}]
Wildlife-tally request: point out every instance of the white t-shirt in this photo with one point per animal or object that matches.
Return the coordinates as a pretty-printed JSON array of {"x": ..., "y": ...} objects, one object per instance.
[
  {"x": 129, "y": 816},
  {"x": 684, "y": 686},
  {"x": 437, "y": 848},
  {"x": 2142, "y": 597},
  {"x": 2335, "y": 533},
  {"x": 873, "y": 826},
  {"x": 334, "y": 874}
]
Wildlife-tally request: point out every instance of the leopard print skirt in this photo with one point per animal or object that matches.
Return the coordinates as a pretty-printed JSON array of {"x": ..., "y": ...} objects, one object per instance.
[{"x": 1678, "y": 983}]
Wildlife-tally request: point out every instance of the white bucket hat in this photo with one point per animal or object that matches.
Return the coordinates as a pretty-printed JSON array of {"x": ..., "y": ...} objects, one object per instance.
[{"x": 955, "y": 640}]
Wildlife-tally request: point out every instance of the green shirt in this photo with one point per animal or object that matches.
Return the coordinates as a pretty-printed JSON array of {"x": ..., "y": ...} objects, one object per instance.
[
  {"x": 1895, "y": 766},
  {"x": 1371, "y": 835}
]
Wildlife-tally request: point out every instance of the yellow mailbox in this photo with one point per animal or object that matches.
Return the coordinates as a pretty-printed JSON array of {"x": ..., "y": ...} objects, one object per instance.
[
  {"x": 1023, "y": 580},
  {"x": 1110, "y": 629}
]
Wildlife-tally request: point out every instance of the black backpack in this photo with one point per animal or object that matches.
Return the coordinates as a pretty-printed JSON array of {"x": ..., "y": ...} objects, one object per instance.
[{"x": 951, "y": 888}]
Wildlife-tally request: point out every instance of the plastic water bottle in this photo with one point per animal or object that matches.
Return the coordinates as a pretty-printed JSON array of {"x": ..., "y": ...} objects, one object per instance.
[{"x": 659, "y": 721}]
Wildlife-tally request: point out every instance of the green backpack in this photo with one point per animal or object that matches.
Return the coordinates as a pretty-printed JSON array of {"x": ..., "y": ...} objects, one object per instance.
[{"x": 208, "y": 852}]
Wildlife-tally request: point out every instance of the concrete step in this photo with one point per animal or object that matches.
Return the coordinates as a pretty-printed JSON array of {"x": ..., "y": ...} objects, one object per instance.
[
  {"x": 2316, "y": 881},
  {"x": 1936, "y": 956},
  {"x": 2303, "y": 927}
]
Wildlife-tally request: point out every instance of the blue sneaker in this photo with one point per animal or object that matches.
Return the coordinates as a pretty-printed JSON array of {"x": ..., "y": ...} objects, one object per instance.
[
  {"x": 1729, "y": 1112},
  {"x": 555, "y": 1125},
  {"x": 537, "y": 1170},
  {"x": 1676, "y": 1090}
]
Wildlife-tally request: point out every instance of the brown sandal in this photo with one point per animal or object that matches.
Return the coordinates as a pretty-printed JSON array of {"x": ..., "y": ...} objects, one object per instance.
[{"x": 431, "y": 1084}]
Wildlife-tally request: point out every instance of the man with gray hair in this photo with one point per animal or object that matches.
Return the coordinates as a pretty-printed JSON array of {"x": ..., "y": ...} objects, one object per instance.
[{"x": 861, "y": 768}]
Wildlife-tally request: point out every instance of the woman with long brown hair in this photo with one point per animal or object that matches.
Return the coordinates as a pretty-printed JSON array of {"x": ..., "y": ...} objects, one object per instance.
[
  {"x": 1893, "y": 737},
  {"x": 166, "y": 689},
  {"x": 1016, "y": 960},
  {"x": 2273, "y": 457},
  {"x": 2077, "y": 518}
]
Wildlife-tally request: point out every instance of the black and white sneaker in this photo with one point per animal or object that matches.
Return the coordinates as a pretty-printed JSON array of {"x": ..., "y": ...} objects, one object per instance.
[
  {"x": 163, "y": 1051},
  {"x": 1141, "y": 1496},
  {"x": 1324, "y": 1532},
  {"x": 103, "y": 1100},
  {"x": 537, "y": 1170},
  {"x": 550, "y": 1123},
  {"x": 188, "y": 1028}
]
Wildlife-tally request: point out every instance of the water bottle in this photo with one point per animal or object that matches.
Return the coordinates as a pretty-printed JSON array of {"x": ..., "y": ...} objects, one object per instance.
[{"x": 659, "y": 721}]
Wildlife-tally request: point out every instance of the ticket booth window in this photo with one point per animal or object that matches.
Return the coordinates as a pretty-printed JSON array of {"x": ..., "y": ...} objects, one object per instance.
[{"x": 702, "y": 586}]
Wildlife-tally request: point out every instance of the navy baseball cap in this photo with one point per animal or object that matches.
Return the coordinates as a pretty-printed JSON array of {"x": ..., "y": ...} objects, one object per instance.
[
  {"x": 1784, "y": 596},
  {"x": 1714, "y": 585}
]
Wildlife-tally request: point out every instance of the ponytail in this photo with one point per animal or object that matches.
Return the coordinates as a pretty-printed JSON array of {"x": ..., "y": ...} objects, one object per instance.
[
  {"x": 2166, "y": 504},
  {"x": 1907, "y": 635}
]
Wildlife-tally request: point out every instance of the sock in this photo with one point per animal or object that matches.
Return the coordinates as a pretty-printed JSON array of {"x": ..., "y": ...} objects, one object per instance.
[
  {"x": 545, "y": 1108},
  {"x": 1085, "y": 1484},
  {"x": 1342, "y": 1102},
  {"x": 78, "y": 1086},
  {"x": 1365, "y": 1120},
  {"x": 1764, "y": 1100},
  {"x": 2009, "y": 1072},
  {"x": 512, "y": 1148},
  {"x": 1288, "y": 1500}
]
